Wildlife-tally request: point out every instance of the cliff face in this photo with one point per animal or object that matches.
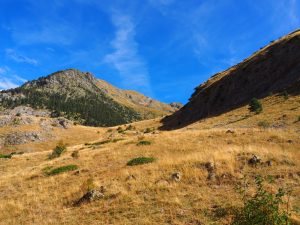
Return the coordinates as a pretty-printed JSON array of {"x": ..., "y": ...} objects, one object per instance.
[{"x": 272, "y": 70}]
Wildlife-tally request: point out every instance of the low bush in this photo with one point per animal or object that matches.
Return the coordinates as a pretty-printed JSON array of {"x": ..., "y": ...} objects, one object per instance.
[
  {"x": 49, "y": 171},
  {"x": 149, "y": 130},
  {"x": 140, "y": 161},
  {"x": 298, "y": 118},
  {"x": 263, "y": 124},
  {"x": 262, "y": 208},
  {"x": 255, "y": 106},
  {"x": 5, "y": 156},
  {"x": 8, "y": 156},
  {"x": 58, "y": 150},
  {"x": 143, "y": 142},
  {"x": 75, "y": 154}
]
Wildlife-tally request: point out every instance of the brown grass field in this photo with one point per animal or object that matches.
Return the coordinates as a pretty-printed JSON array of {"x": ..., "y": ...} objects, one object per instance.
[{"x": 151, "y": 197}]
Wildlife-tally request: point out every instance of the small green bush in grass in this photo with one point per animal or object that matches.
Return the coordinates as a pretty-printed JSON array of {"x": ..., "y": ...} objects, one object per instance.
[
  {"x": 255, "y": 106},
  {"x": 263, "y": 124},
  {"x": 143, "y": 142},
  {"x": 298, "y": 118},
  {"x": 263, "y": 208},
  {"x": 58, "y": 150},
  {"x": 49, "y": 171},
  {"x": 75, "y": 154},
  {"x": 8, "y": 156},
  {"x": 140, "y": 161},
  {"x": 5, "y": 156}
]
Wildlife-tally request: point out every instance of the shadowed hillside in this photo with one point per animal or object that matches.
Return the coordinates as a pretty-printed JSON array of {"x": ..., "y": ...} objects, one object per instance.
[{"x": 274, "y": 69}]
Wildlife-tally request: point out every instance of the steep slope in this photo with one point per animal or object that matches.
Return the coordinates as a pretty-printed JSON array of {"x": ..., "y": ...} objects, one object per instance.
[
  {"x": 275, "y": 69},
  {"x": 146, "y": 106},
  {"x": 75, "y": 95}
]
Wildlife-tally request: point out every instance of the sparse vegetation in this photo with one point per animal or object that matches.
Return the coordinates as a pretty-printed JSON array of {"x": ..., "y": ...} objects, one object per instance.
[
  {"x": 140, "y": 161},
  {"x": 285, "y": 95},
  {"x": 263, "y": 207},
  {"x": 75, "y": 154},
  {"x": 50, "y": 172},
  {"x": 298, "y": 118},
  {"x": 58, "y": 150},
  {"x": 264, "y": 124},
  {"x": 149, "y": 130},
  {"x": 143, "y": 142},
  {"x": 255, "y": 106},
  {"x": 5, "y": 156}
]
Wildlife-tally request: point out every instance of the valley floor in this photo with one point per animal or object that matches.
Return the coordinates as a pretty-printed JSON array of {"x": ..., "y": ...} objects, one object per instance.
[{"x": 147, "y": 194}]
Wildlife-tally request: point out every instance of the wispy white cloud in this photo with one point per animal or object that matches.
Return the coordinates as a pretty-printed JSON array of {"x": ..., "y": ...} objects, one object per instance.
[
  {"x": 8, "y": 79},
  {"x": 125, "y": 57},
  {"x": 44, "y": 32},
  {"x": 12, "y": 54}
]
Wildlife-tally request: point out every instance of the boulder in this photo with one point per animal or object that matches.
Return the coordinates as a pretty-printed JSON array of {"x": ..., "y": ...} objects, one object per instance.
[
  {"x": 254, "y": 160},
  {"x": 176, "y": 176},
  {"x": 91, "y": 196}
]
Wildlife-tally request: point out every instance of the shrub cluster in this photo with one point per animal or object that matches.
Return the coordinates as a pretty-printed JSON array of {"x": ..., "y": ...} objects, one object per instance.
[
  {"x": 58, "y": 150},
  {"x": 140, "y": 161},
  {"x": 50, "y": 172},
  {"x": 255, "y": 106}
]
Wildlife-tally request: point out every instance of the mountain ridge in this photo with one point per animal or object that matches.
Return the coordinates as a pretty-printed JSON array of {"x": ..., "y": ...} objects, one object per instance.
[
  {"x": 79, "y": 96},
  {"x": 273, "y": 69}
]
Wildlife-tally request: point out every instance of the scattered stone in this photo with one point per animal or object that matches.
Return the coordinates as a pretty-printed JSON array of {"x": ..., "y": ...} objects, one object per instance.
[
  {"x": 22, "y": 138},
  {"x": 211, "y": 169},
  {"x": 62, "y": 122},
  {"x": 90, "y": 196},
  {"x": 130, "y": 177},
  {"x": 254, "y": 160},
  {"x": 269, "y": 163},
  {"x": 176, "y": 176},
  {"x": 210, "y": 166},
  {"x": 230, "y": 132}
]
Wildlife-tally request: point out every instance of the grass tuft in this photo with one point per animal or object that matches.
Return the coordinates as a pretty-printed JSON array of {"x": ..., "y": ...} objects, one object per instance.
[
  {"x": 140, "y": 161},
  {"x": 143, "y": 142},
  {"x": 50, "y": 172}
]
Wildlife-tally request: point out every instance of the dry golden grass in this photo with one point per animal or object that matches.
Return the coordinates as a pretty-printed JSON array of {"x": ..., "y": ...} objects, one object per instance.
[{"x": 30, "y": 197}]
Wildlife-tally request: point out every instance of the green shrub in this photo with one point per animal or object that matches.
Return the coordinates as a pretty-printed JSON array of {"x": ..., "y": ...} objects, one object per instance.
[
  {"x": 140, "y": 161},
  {"x": 298, "y": 118},
  {"x": 58, "y": 150},
  {"x": 255, "y": 106},
  {"x": 149, "y": 130},
  {"x": 8, "y": 156},
  {"x": 143, "y": 142},
  {"x": 75, "y": 154},
  {"x": 263, "y": 124},
  {"x": 285, "y": 95},
  {"x": 49, "y": 171},
  {"x": 263, "y": 208},
  {"x": 5, "y": 156}
]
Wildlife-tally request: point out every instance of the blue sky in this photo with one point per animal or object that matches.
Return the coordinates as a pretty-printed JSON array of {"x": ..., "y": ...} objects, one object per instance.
[{"x": 162, "y": 48}]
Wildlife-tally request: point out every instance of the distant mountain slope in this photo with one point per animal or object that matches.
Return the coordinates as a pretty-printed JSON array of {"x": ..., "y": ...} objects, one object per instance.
[
  {"x": 146, "y": 106},
  {"x": 273, "y": 69},
  {"x": 78, "y": 96}
]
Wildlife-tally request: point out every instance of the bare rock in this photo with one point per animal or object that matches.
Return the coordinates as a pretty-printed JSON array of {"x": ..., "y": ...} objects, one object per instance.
[
  {"x": 176, "y": 176},
  {"x": 230, "y": 132},
  {"x": 90, "y": 196},
  {"x": 254, "y": 160}
]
